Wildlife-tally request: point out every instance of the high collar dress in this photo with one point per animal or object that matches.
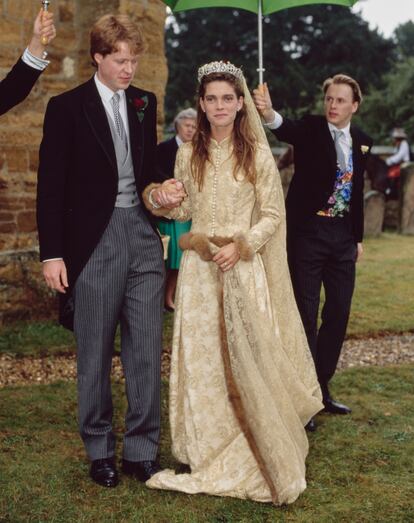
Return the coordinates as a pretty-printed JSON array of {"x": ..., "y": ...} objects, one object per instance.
[{"x": 242, "y": 383}]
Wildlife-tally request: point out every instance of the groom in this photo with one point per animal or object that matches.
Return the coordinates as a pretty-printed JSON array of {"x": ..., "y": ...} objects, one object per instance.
[{"x": 99, "y": 248}]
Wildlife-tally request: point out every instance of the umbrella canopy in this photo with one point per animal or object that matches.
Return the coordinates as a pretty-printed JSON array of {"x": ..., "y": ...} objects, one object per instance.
[
  {"x": 267, "y": 6},
  {"x": 261, "y": 7}
]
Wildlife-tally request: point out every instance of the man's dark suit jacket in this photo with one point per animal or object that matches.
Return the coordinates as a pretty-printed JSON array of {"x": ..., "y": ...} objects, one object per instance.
[
  {"x": 17, "y": 85},
  {"x": 166, "y": 153},
  {"x": 78, "y": 177},
  {"x": 315, "y": 170}
]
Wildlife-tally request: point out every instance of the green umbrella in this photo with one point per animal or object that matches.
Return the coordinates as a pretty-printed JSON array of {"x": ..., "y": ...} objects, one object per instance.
[{"x": 261, "y": 7}]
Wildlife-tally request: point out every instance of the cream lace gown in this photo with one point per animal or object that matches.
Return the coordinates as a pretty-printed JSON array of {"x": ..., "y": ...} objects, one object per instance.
[{"x": 242, "y": 382}]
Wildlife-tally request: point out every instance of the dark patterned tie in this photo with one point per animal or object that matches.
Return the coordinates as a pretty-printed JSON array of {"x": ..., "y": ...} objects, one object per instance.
[
  {"x": 118, "y": 120},
  {"x": 340, "y": 156}
]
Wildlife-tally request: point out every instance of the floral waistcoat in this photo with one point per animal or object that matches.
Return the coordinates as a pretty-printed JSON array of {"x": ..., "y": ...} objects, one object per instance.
[{"x": 339, "y": 201}]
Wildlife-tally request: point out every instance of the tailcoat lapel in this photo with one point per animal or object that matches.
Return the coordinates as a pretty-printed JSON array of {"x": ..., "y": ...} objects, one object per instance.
[
  {"x": 356, "y": 150},
  {"x": 136, "y": 133},
  {"x": 330, "y": 145},
  {"x": 98, "y": 120}
]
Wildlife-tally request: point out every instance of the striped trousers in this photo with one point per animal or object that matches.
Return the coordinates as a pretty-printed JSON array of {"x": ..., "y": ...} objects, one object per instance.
[{"x": 122, "y": 283}]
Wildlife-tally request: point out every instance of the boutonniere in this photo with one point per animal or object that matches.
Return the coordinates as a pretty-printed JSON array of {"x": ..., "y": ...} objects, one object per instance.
[
  {"x": 140, "y": 104},
  {"x": 364, "y": 149}
]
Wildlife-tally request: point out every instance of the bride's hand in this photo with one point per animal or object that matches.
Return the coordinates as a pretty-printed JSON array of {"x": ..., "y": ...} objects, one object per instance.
[
  {"x": 170, "y": 194},
  {"x": 227, "y": 257}
]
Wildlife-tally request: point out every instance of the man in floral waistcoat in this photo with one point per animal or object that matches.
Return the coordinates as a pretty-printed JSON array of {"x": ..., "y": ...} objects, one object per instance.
[{"x": 325, "y": 217}]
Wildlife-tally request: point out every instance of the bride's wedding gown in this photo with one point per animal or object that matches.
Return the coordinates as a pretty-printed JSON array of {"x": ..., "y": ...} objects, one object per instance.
[{"x": 242, "y": 384}]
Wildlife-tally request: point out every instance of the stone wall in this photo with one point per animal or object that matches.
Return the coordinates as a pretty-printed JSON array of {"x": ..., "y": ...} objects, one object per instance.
[{"x": 21, "y": 128}]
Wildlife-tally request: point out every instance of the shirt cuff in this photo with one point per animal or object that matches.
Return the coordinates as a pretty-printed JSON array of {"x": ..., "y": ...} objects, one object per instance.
[
  {"x": 154, "y": 204},
  {"x": 277, "y": 122},
  {"x": 33, "y": 61},
  {"x": 52, "y": 259}
]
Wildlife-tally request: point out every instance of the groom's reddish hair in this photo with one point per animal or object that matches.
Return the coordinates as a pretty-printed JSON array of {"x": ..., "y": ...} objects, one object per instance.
[{"x": 110, "y": 30}]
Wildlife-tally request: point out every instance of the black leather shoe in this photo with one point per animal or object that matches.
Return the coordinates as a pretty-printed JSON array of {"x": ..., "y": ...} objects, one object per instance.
[
  {"x": 104, "y": 473},
  {"x": 311, "y": 425},
  {"x": 141, "y": 470},
  {"x": 334, "y": 407}
]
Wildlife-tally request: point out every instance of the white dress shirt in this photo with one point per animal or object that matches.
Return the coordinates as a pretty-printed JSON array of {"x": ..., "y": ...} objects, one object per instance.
[
  {"x": 401, "y": 156},
  {"x": 33, "y": 61},
  {"x": 106, "y": 95},
  {"x": 345, "y": 141}
]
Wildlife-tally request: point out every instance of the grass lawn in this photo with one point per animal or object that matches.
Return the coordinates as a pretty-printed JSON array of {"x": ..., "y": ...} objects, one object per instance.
[
  {"x": 360, "y": 467},
  {"x": 383, "y": 302}
]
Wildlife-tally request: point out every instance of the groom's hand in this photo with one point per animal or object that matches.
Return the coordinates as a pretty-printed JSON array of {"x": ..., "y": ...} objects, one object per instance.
[
  {"x": 170, "y": 194},
  {"x": 55, "y": 274},
  {"x": 263, "y": 102}
]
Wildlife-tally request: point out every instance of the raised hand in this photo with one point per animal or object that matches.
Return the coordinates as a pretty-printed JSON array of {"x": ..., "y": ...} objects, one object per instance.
[
  {"x": 263, "y": 102},
  {"x": 43, "y": 27}
]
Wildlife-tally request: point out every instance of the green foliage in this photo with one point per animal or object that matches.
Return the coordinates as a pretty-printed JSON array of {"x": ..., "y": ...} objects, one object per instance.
[
  {"x": 404, "y": 35},
  {"x": 392, "y": 105},
  {"x": 302, "y": 47},
  {"x": 359, "y": 468}
]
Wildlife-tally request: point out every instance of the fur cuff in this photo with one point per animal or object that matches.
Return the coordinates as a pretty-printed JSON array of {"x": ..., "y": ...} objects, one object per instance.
[
  {"x": 196, "y": 242},
  {"x": 162, "y": 211},
  {"x": 246, "y": 252},
  {"x": 200, "y": 243}
]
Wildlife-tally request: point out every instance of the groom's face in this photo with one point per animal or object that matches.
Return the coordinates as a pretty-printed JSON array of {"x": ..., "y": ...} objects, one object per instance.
[{"x": 117, "y": 70}]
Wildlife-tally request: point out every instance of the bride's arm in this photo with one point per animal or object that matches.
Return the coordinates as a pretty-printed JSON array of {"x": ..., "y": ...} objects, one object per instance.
[
  {"x": 167, "y": 191},
  {"x": 270, "y": 204}
]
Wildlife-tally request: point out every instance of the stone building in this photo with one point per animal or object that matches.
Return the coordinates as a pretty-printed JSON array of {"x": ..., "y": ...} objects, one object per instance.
[{"x": 22, "y": 291}]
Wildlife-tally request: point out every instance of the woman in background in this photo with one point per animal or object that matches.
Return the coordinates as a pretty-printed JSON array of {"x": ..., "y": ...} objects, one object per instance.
[{"x": 185, "y": 126}]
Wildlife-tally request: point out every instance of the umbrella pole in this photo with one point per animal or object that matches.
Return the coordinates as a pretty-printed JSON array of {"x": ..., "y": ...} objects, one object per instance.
[{"x": 260, "y": 40}]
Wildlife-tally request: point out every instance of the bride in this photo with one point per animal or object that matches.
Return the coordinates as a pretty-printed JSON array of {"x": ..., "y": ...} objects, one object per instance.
[{"x": 242, "y": 384}]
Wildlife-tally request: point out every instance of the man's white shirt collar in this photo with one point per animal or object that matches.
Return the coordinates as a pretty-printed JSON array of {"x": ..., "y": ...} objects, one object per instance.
[
  {"x": 346, "y": 130},
  {"x": 105, "y": 93},
  {"x": 178, "y": 140}
]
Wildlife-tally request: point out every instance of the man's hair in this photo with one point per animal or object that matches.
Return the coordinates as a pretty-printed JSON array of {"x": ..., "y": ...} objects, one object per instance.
[
  {"x": 110, "y": 30},
  {"x": 185, "y": 114},
  {"x": 344, "y": 79}
]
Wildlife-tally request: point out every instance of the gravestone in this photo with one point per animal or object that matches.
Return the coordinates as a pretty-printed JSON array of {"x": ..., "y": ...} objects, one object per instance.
[
  {"x": 374, "y": 208},
  {"x": 406, "y": 216}
]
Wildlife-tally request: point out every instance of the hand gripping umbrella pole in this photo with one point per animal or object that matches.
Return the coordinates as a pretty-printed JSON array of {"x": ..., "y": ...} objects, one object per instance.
[{"x": 45, "y": 6}]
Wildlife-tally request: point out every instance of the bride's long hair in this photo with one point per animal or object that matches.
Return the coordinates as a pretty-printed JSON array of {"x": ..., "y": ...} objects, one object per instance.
[{"x": 244, "y": 142}]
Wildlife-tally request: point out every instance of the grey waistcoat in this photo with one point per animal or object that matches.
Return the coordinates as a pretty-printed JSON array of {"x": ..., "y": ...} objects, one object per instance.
[{"x": 127, "y": 191}]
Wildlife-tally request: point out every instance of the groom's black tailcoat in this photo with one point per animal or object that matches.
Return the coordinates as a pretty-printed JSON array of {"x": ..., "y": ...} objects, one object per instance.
[
  {"x": 78, "y": 179},
  {"x": 322, "y": 250}
]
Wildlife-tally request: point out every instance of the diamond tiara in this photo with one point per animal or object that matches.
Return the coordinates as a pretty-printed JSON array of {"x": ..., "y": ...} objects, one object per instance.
[{"x": 219, "y": 67}]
